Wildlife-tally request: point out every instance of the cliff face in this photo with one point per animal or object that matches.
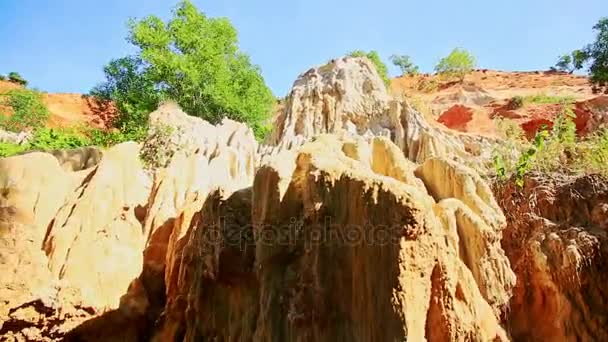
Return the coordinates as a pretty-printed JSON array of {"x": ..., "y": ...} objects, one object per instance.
[
  {"x": 556, "y": 240},
  {"x": 330, "y": 248},
  {"x": 359, "y": 221}
]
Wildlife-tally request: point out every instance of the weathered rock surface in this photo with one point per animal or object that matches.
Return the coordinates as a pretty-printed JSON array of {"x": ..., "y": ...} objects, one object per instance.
[
  {"x": 348, "y": 95},
  {"x": 14, "y": 138},
  {"x": 326, "y": 242},
  {"x": 344, "y": 211},
  {"x": 33, "y": 188},
  {"x": 71, "y": 240},
  {"x": 557, "y": 242}
]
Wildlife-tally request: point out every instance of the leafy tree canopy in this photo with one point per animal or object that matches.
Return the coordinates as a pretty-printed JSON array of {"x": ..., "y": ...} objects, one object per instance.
[
  {"x": 595, "y": 54},
  {"x": 404, "y": 63},
  {"x": 192, "y": 59},
  {"x": 572, "y": 62},
  {"x": 598, "y": 53},
  {"x": 457, "y": 64}
]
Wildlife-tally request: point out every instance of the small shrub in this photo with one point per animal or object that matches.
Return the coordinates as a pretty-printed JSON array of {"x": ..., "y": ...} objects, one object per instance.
[
  {"x": 548, "y": 99},
  {"x": 29, "y": 111},
  {"x": 375, "y": 58},
  {"x": 159, "y": 147},
  {"x": 57, "y": 139},
  {"x": 558, "y": 149},
  {"x": 516, "y": 102},
  {"x": 2, "y": 78},
  {"x": 457, "y": 64},
  {"x": 17, "y": 78},
  {"x": 105, "y": 138},
  {"x": 10, "y": 149}
]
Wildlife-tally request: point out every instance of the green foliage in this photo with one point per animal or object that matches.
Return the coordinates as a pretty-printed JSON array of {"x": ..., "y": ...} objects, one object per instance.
[
  {"x": 524, "y": 164},
  {"x": 2, "y": 77},
  {"x": 45, "y": 139},
  {"x": 10, "y": 149},
  {"x": 104, "y": 138},
  {"x": 133, "y": 91},
  {"x": 557, "y": 149},
  {"x": 548, "y": 99},
  {"x": 17, "y": 78},
  {"x": 571, "y": 62},
  {"x": 192, "y": 59},
  {"x": 29, "y": 111},
  {"x": 55, "y": 139},
  {"x": 375, "y": 58},
  {"x": 598, "y": 53},
  {"x": 404, "y": 63},
  {"x": 457, "y": 64}
]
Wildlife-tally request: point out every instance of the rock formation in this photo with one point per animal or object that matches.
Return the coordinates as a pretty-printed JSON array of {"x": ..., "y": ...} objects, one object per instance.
[
  {"x": 14, "y": 138},
  {"x": 557, "y": 242},
  {"x": 325, "y": 242},
  {"x": 348, "y": 95},
  {"x": 357, "y": 221},
  {"x": 72, "y": 239}
]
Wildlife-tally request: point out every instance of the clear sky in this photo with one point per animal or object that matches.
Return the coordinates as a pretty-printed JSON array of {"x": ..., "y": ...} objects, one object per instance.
[{"x": 62, "y": 45}]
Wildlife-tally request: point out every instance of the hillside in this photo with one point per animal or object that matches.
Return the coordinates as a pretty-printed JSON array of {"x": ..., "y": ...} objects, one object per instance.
[
  {"x": 69, "y": 109},
  {"x": 471, "y": 106},
  {"x": 486, "y": 95}
]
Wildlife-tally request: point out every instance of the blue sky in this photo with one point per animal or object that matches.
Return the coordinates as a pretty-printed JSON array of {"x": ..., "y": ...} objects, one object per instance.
[{"x": 62, "y": 45}]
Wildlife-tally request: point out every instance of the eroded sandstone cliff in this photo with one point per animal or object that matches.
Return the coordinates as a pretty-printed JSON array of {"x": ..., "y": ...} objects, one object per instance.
[
  {"x": 556, "y": 240},
  {"x": 358, "y": 221}
]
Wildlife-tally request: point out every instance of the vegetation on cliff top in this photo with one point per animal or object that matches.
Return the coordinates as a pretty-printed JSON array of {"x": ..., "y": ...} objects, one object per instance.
[
  {"x": 553, "y": 149},
  {"x": 595, "y": 55},
  {"x": 192, "y": 59}
]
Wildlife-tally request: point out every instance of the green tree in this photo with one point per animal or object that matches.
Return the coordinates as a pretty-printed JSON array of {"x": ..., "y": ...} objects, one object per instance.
[
  {"x": 194, "y": 60},
  {"x": 17, "y": 78},
  {"x": 457, "y": 64},
  {"x": 404, "y": 63},
  {"x": 598, "y": 53},
  {"x": 129, "y": 85},
  {"x": 572, "y": 62},
  {"x": 375, "y": 58}
]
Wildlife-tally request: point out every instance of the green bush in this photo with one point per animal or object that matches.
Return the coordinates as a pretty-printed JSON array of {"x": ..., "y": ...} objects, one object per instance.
[
  {"x": 555, "y": 149},
  {"x": 2, "y": 78},
  {"x": 457, "y": 64},
  {"x": 192, "y": 59},
  {"x": 46, "y": 139},
  {"x": 375, "y": 58},
  {"x": 516, "y": 102},
  {"x": 17, "y": 78},
  {"x": 29, "y": 111},
  {"x": 548, "y": 99},
  {"x": 104, "y": 138},
  {"x": 10, "y": 149}
]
